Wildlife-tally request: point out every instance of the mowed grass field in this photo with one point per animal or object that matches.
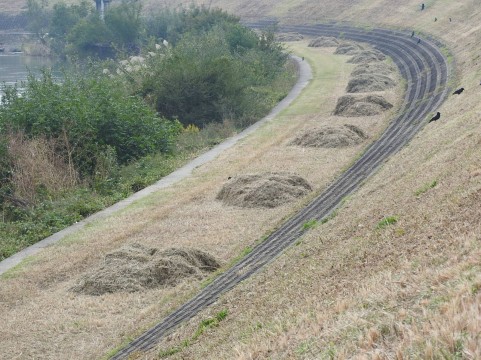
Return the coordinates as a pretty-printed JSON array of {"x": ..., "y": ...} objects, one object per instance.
[
  {"x": 359, "y": 286},
  {"x": 396, "y": 273},
  {"x": 37, "y": 306}
]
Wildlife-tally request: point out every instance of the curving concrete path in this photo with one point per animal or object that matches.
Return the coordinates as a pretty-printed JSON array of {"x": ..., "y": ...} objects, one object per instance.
[
  {"x": 425, "y": 70},
  {"x": 185, "y": 171}
]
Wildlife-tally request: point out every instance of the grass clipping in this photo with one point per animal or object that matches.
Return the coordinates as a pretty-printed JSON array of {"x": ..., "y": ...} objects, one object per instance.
[
  {"x": 378, "y": 68},
  {"x": 289, "y": 37},
  {"x": 369, "y": 83},
  {"x": 331, "y": 137},
  {"x": 352, "y": 106},
  {"x": 348, "y": 49},
  {"x": 367, "y": 56},
  {"x": 267, "y": 190},
  {"x": 324, "y": 41},
  {"x": 136, "y": 267}
]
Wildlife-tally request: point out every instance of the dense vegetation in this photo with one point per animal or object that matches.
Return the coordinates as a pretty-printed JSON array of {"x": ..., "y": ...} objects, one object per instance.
[{"x": 112, "y": 127}]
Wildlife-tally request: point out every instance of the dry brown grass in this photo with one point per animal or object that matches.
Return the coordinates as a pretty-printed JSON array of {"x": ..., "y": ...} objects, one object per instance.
[
  {"x": 348, "y": 290},
  {"x": 36, "y": 307},
  {"x": 37, "y": 166}
]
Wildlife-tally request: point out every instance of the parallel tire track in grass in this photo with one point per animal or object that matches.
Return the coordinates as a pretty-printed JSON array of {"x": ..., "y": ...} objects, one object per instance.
[{"x": 426, "y": 72}]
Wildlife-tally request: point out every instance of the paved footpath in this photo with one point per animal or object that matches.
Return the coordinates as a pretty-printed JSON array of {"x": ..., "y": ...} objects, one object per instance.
[{"x": 178, "y": 175}]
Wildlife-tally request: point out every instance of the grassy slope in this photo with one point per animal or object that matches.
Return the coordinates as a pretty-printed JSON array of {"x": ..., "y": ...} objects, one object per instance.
[
  {"x": 349, "y": 289},
  {"x": 35, "y": 302},
  {"x": 409, "y": 290}
]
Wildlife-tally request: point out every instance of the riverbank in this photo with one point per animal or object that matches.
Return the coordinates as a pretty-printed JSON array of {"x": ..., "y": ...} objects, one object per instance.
[{"x": 12, "y": 41}]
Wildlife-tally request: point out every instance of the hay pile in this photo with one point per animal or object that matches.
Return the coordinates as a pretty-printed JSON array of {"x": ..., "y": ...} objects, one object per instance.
[
  {"x": 348, "y": 49},
  {"x": 352, "y": 106},
  {"x": 289, "y": 37},
  {"x": 381, "y": 68},
  {"x": 369, "y": 82},
  {"x": 324, "y": 41},
  {"x": 367, "y": 56},
  {"x": 136, "y": 267},
  {"x": 331, "y": 137},
  {"x": 267, "y": 190}
]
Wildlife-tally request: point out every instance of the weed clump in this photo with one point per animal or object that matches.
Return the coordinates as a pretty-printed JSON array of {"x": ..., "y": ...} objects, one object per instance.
[
  {"x": 267, "y": 190},
  {"x": 352, "y": 106},
  {"x": 331, "y": 137},
  {"x": 136, "y": 267}
]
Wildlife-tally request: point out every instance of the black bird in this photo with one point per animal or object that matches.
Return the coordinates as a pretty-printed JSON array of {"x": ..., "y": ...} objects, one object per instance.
[
  {"x": 435, "y": 19},
  {"x": 422, "y": 6},
  {"x": 459, "y": 91},
  {"x": 449, "y": 19},
  {"x": 412, "y": 34},
  {"x": 436, "y": 117},
  {"x": 419, "y": 40}
]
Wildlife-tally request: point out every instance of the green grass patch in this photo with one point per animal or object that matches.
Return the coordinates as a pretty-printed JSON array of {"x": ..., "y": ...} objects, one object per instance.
[
  {"x": 203, "y": 326},
  {"x": 310, "y": 224},
  {"x": 387, "y": 221},
  {"x": 425, "y": 188}
]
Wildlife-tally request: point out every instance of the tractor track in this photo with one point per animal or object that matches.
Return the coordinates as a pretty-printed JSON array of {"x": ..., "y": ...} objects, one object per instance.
[{"x": 426, "y": 72}]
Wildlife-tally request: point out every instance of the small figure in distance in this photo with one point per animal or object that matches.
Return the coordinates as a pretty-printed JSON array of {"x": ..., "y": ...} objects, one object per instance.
[
  {"x": 458, "y": 92},
  {"x": 419, "y": 40},
  {"x": 449, "y": 19},
  {"x": 435, "y": 117},
  {"x": 435, "y": 19},
  {"x": 303, "y": 58},
  {"x": 422, "y": 6},
  {"x": 412, "y": 35}
]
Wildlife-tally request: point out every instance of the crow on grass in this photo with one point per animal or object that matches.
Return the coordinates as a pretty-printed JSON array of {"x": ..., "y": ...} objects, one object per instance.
[
  {"x": 435, "y": 117},
  {"x": 459, "y": 91}
]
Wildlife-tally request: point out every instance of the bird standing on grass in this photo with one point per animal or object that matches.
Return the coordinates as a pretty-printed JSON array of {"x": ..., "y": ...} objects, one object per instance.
[
  {"x": 419, "y": 41},
  {"x": 458, "y": 92},
  {"x": 435, "y": 117},
  {"x": 412, "y": 34}
]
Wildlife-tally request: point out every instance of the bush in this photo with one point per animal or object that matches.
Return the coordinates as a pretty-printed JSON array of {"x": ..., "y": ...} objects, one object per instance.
[
  {"x": 215, "y": 75},
  {"x": 90, "y": 114}
]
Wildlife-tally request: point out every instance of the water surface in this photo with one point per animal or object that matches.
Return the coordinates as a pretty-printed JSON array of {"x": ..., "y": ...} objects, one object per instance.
[{"x": 14, "y": 68}]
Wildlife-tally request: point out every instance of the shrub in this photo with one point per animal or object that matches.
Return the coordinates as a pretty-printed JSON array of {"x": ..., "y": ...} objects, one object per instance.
[{"x": 90, "y": 114}]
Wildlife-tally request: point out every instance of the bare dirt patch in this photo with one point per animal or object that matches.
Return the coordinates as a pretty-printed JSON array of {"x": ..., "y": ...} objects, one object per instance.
[
  {"x": 348, "y": 49},
  {"x": 268, "y": 190},
  {"x": 369, "y": 83},
  {"x": 136, "y": 267},
  {"x": 352, "y": 106},
  {"x": 331, "y": 137},
  {"x": 289, "y": 37},
  {"x": 381, "y": 68},
  {"x": 324, "y": 41}
]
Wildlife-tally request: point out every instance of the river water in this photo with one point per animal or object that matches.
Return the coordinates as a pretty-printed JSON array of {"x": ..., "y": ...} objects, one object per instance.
[{"x": 15, "y": 68}]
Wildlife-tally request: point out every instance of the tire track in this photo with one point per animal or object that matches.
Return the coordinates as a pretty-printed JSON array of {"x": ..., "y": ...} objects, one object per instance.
[{"x": 425, "y": 70}]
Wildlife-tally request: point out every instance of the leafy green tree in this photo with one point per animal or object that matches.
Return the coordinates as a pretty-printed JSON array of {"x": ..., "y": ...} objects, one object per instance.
[
  {"x": 90, "y": 113},
  {"x": 89, "y": 37},
  {"x": 124, "y": 23},
  {"x": 38, "y": 16}
]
